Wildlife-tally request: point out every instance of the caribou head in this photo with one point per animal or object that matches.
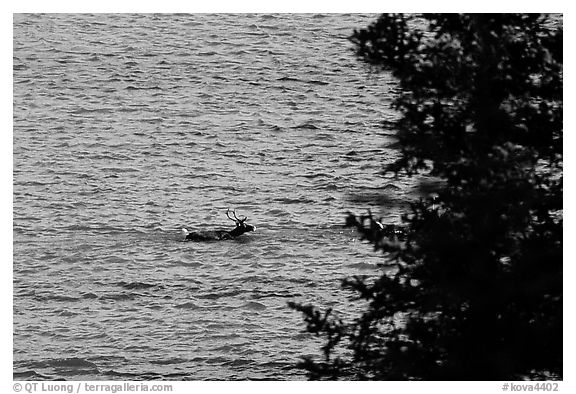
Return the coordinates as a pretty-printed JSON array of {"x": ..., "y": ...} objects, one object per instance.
[{"x": 241, "y": 226}]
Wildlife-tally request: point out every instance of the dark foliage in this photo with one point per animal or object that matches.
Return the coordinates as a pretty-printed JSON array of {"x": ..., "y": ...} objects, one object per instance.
[{"x": 477, "y": 292}]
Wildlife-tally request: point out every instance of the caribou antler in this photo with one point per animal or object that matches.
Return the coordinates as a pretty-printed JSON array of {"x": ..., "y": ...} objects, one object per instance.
[
  {"x": 234, "y": 213},
  {"x": 235, "y": 217},
  {"x": 240, "y": 220}
]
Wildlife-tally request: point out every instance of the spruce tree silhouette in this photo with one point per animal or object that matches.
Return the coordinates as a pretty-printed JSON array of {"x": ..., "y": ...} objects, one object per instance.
[{"x": 477, "y": 290}]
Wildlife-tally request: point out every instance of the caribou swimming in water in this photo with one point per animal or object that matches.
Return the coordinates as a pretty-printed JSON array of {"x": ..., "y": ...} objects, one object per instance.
[{"x": 218, "y": 235}]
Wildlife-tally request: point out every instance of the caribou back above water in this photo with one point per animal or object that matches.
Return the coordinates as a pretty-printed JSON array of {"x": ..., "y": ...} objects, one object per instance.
[{"x": 218, "y": 235}]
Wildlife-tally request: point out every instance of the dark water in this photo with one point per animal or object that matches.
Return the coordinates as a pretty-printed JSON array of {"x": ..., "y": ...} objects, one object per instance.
[{"x": 129, "y": 127}]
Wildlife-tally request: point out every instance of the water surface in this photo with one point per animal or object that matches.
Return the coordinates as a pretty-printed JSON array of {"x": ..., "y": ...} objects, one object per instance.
[{"x": 129, "y": 127}]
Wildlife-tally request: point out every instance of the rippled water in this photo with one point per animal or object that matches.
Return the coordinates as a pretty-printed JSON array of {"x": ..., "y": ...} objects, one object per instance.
[{"x": 129, "y": 127}]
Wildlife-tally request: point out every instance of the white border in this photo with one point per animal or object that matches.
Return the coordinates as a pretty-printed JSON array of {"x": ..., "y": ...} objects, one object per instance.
[{"x": 230, "y": 6}]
